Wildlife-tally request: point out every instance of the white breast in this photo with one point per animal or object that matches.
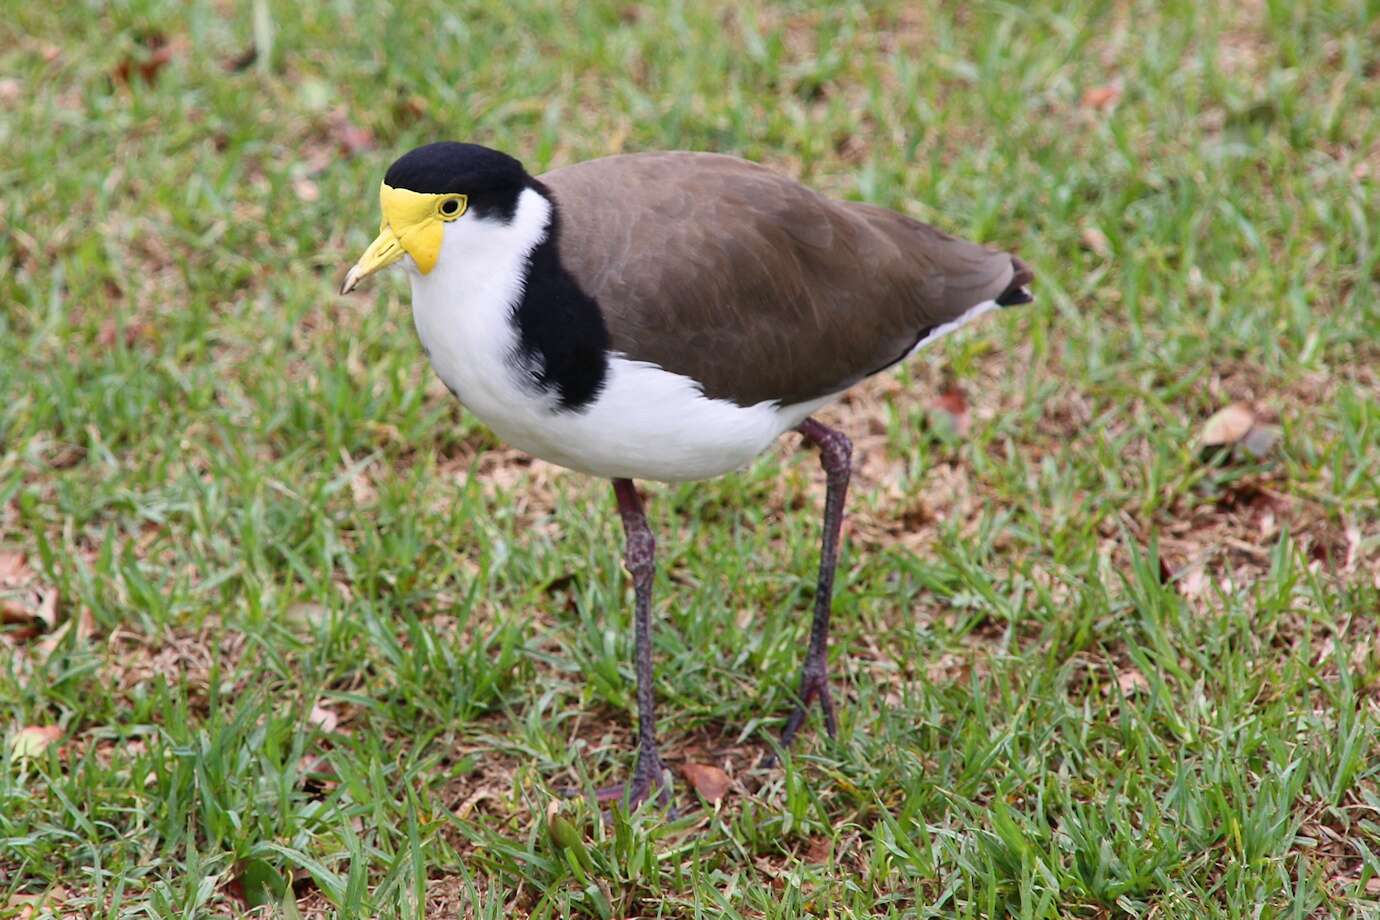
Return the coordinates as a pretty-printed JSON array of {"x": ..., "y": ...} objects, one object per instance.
[{"x": 646, "y": 423}]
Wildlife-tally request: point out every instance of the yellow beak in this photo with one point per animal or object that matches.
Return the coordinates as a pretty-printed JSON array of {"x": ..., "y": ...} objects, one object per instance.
[
  {"x": 411, "y": 226},
  {"x": 382, "y": 252}
]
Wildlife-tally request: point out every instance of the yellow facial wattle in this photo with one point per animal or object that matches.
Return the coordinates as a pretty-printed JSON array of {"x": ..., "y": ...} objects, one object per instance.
[{"x": 412, "y": 225}]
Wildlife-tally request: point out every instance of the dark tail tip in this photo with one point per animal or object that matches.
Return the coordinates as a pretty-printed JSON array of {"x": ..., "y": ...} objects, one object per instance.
[{"x": 1018, "y": 292}]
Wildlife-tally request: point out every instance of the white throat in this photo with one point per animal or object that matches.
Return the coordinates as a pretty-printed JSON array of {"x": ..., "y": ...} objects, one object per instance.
[
  {"x": 482, "y": 258},
  {"x": 463, "y": 307}
]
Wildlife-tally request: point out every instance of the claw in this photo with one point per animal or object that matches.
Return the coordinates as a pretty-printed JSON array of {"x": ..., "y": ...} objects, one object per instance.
[
  {"x": 814, "y": 685},
  {"x": 635, "y": 791}
]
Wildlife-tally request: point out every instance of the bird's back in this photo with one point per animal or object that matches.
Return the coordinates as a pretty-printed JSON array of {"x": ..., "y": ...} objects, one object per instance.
[{"x": 752, "y": 284}]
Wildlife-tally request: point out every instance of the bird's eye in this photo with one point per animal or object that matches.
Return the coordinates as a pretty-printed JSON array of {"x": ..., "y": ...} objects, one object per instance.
[{"x": 453, "y": 207}]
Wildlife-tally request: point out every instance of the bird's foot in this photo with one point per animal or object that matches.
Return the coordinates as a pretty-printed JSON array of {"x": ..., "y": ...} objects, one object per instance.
[
  {"x": 650, "y": 771},
  {"x": 814, "y": 685}
]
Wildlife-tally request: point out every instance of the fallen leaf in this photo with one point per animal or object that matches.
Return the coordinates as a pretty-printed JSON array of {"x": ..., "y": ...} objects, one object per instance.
[
  {"x": 350, "y": 137},
  {"x": 244, "y": 60},
  {"x": 147, "y": 61},
  {"x": 950, "y": 407},
  {"x": 362, "y": 489},
  {"x": 28, "y": 904},
  {"x": 465, "y": 808},
  {"x": 110, "y": 332},
  {"x": 46, "y": 611},
  {"x": 1131, "y": 681},
  {"x": 1193, "y": 583},
  {"x": 323, "y": 718},
  {"x": 36, "y": 613},
  {"x": 1095, "y": 241},
  {"x": 411, "y": 109},
  {"x": 1353, "y": 548},
  {"x": 12, "y": 567},
  {"x": 819, "y": 849},
  {"x": 947, "y": 668},
  {"x": 22, "y": 626},
  {"x": 33, "y": 740},
  {"x": 306, "y": 190},
  {"x": 1373, "y": 885},
  {"x": 1261, "y": 439},
  {"x": 709, "y": 781},
  {"x": 1102, "y": 97},
  {"x": 1228, "y": 426},
  {"x": 84, "y": 623},
  {"x": 307, "y": 613},
  {"x": 1237, "y": 426},
  {"x": 1165, "y": 572}
]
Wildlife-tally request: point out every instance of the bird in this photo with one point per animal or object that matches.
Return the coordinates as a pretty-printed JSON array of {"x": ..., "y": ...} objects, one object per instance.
[{"x": 667, "y": 316}]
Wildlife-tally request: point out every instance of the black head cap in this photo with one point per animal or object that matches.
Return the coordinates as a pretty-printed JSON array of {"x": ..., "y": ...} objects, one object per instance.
[{"x": 491, "y": 179}]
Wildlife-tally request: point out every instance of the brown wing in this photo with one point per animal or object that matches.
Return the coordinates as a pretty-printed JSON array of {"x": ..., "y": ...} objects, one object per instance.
[{"x": 753, "y": 285}]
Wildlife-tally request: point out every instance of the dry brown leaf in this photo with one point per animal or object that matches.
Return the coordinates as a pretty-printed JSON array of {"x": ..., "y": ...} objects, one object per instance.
[
  {"x": 306, "y": 613},
  {"x": 153, "y": 57},
  {"x": 1166, "y": 573},
  {"x": 1095, "y": 241},
  {"x": 133, "y": 332},
  {"x": 1261, "y": 439},
  {"x": 1194, "y": 582},
  {"x": 1353, "y": 548},
  {"x": 1373, "y": 885},
  {"x": 947, "y": 668},
  {"x": 46, "y": 610},
  {"x": 323, "y": 718},
  {"x": 32, "y": 740},
  {"x": 12, "y": 567},
  {"x": 242, "y": 61},
  {"x": 1099, "y": 98},
  {"x": 1131, "y": 681},
  {"x": 23, "y": 604},
  {"x": 362, "y": 489},
  {"x": 350, "y": 137},
  {"x": 951, "y": 408},
  {"x": 84, "y": 623},
  {"x": 479, "y": 795},
  {"x": 34, "y": 612},
  {"x": 29, "y": 903},
  {"x": 1228, "y": 426},
  {"x": 12, "y": 612},
  {"x": 306, "y": 190},
  {"x": 709, "y": 781},
  {"x": 819, "y": 849}
]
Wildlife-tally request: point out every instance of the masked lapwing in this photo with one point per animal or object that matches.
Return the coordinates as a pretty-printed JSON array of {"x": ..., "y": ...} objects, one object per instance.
[{"x": 668, "y": 316}]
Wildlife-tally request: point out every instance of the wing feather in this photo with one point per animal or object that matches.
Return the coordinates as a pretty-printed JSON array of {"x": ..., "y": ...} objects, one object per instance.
[{"x": 752, "y": 284}]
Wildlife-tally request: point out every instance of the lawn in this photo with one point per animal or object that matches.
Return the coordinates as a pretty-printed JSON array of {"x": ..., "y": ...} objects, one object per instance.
[{"x": 286, "y": 631}]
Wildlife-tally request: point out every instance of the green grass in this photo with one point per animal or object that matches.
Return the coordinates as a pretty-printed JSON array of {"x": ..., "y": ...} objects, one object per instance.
[{"x": 252, "y": 496}]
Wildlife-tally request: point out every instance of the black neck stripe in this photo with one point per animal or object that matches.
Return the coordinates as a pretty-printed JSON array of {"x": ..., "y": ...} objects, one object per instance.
[{"x": 563, "y": 341}]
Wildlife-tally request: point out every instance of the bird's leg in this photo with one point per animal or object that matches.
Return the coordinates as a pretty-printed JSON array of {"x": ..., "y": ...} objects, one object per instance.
[
  {"x": 835, "y": 455},
  {"x": 640, "y": 559}
]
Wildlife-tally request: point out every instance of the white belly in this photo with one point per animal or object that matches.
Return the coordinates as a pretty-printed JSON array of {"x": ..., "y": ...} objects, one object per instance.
[{"x": 646, "y": 423}]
